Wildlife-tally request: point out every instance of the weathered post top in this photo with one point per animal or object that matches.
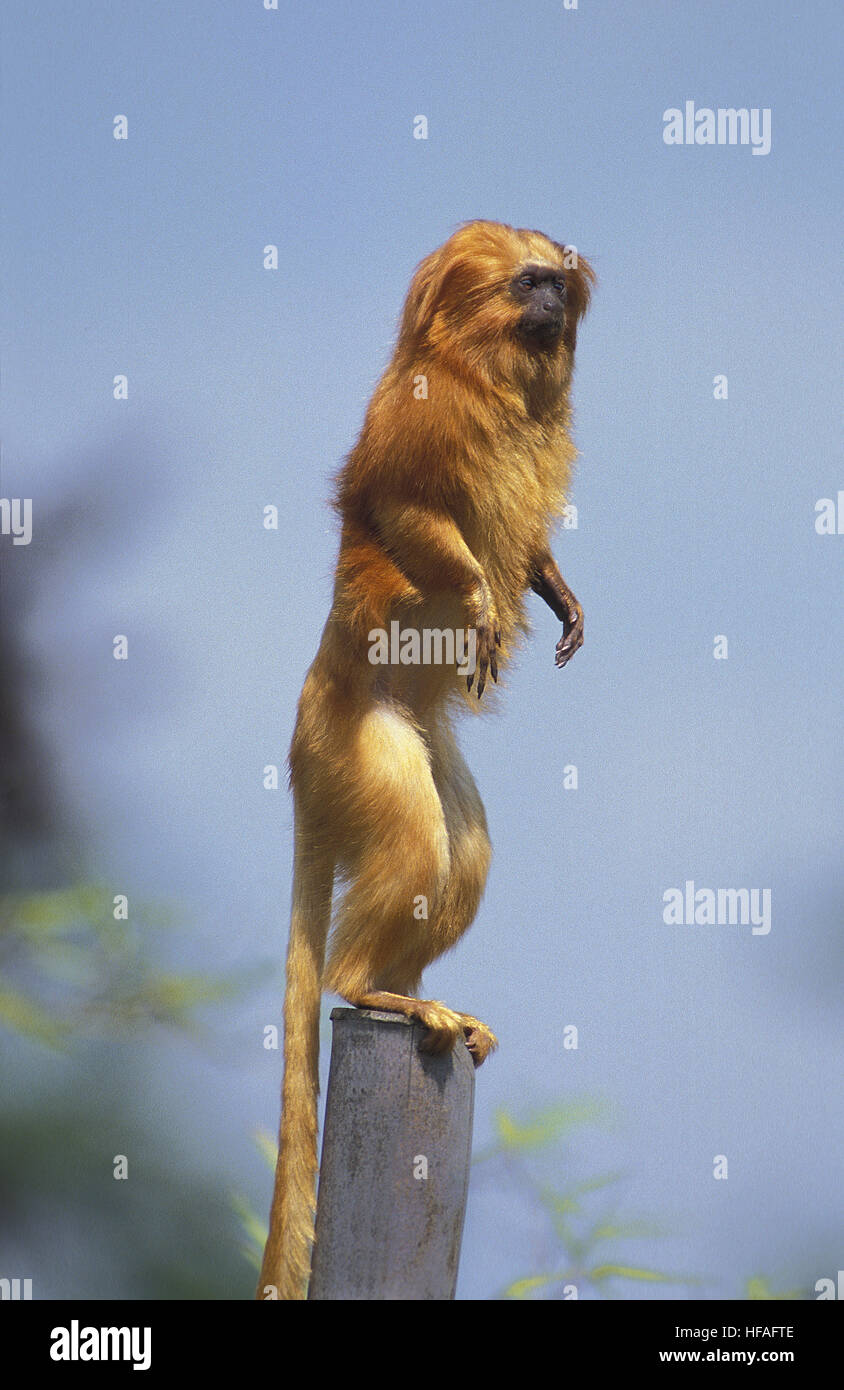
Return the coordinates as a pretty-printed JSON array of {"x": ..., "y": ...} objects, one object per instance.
[{"x": 395, "y": 1162}]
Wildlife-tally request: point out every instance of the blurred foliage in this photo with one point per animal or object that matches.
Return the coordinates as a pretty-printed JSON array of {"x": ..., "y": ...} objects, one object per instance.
[
  {"x": 580, "y": 1231},
  {"x": 254, "y": 1230},
  {"x": 81, "y": 993},
  {"x": 68, "y": 968},
  {"x": 84, "y": 995},
  {"x": 758, "y": 1288},
  {"x": 165, "y": 1232},
  {"x": 73, "y": 978},
  {"x": 544, "y": 1127},
  {"x": 580, "y": 1216}
]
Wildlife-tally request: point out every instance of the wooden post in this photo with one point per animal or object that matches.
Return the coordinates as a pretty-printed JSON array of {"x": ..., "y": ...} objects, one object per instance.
[{"x": 395, "y": 1163}]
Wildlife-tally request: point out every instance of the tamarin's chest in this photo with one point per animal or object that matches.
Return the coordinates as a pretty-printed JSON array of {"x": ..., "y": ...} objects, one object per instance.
[{"x": 515, "y": 496}]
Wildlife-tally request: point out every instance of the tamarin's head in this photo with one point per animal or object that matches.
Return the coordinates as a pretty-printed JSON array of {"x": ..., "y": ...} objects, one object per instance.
[{"x": 504, "y": 297}]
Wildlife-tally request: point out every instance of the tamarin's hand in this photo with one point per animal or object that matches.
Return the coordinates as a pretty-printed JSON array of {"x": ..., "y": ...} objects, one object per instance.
[
  {"x": 547, "y": 581},
  {"x": 572, "y": 637},
  {"x": 487, "y": 640}
]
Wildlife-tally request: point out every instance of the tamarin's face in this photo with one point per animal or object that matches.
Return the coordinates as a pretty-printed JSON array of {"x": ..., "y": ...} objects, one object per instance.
[
  {"x": 498, "y": 294},
  {"x": 540, "y": 291}
]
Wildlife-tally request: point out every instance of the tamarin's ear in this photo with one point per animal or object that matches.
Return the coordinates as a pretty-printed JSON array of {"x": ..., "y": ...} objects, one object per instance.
[{"x": 580, "y": 280}]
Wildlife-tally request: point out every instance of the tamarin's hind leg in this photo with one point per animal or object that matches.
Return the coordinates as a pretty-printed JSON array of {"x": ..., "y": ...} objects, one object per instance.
[
  {"x": 380, "y": 949},
  {"x": 468, "y": 840},
  {"x": 416, "y": 879},
  {"x": 382, "y": 941},
  {"x": 469, "y": 855},
  {"x": 397, "y": 981}
]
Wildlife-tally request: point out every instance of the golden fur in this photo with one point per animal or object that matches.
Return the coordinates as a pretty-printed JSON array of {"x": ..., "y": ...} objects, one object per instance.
[{"x": 446, "y": 503}]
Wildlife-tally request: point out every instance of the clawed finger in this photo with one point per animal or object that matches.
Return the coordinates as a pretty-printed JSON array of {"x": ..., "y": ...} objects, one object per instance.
[{"x": 567, "y": 646}]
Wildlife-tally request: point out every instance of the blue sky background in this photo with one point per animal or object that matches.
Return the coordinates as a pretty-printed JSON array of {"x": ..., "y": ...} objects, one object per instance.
[{"x": 249, "y": 127}]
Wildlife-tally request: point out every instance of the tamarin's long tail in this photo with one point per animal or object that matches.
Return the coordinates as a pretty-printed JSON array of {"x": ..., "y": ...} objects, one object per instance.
[{"x": 287, "y": 1255}]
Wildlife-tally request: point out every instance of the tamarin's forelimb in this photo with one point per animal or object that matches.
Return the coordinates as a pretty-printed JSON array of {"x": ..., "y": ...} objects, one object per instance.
[
  {"x": 547, "y": 581},
  {"x": 428, "y": 546}
]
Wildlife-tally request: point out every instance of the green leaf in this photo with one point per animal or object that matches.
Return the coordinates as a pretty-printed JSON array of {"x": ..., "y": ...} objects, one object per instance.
[
  {"x": 267, "y": 1147},
  {"x": 61, "y": 911},
  {"x": 566, "y": 1201},
  {"x": 21, "y": 1015},
  {"x": 759, "y": 1288},
  {"x": 523, "y": 1288},
  {"x": 628, "y": 1230},
  {"x": 254, "y": 1230},
  {"x": 545, "y": 1125},
  {"x": 646, "y": 1276}
]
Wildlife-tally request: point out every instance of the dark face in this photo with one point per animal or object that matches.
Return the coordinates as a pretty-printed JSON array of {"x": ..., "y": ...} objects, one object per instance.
[{"x": 541, "y": 292}]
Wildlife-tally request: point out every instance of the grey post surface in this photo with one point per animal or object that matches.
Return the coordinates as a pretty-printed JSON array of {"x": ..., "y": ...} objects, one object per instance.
[{"x": 383, "y": 1231}]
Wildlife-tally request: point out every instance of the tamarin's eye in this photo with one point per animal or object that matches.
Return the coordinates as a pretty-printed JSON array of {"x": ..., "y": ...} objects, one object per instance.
[
  {"x": 527, "y": 282},
  {"x": 560, "y": 285}
]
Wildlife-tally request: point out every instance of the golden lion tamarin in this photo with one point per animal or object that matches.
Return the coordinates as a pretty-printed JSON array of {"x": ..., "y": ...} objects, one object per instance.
[{"x": 446, "y": 503}]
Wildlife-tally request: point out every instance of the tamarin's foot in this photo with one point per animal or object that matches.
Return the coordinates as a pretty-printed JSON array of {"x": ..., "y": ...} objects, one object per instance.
[
  {"x": 443, "y": 1025},
  {"x": 479, "y": 1039}
]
